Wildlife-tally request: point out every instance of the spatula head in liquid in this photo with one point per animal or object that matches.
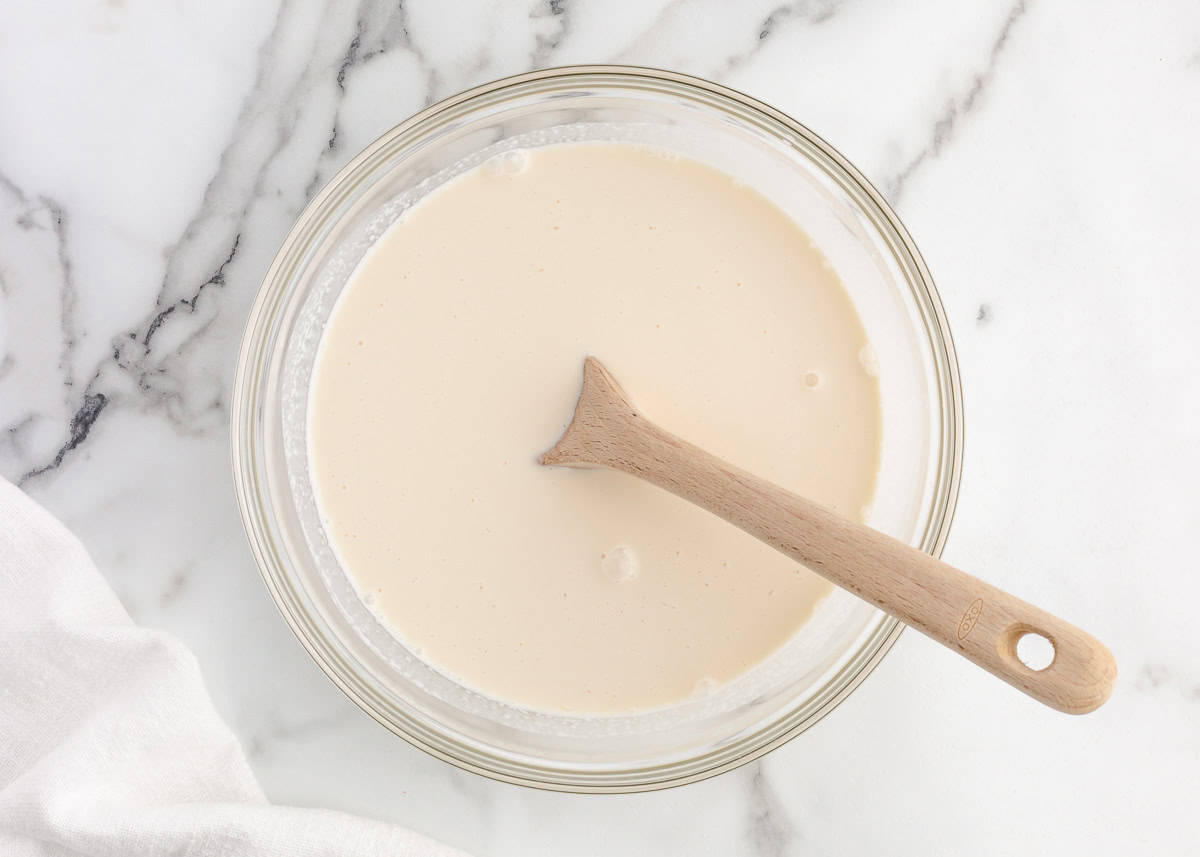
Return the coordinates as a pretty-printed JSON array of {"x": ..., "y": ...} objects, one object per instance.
[{"x": 979, "y": 621}]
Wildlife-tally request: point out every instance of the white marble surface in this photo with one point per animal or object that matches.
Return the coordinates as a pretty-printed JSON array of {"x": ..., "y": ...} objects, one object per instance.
[{"x": 1044, "y": 155}]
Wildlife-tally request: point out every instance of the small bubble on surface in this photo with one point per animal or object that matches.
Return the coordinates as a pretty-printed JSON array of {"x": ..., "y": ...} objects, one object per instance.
[
  {"x": 511, "y": 163},
  {"x": 619, "y": 564},
  {"x": 813, "y": 379},
  {"x": 705, "y": 686}
]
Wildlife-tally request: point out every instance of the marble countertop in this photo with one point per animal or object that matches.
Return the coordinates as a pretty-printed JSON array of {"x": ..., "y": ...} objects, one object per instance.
[{"x": 1044, "y": 156}]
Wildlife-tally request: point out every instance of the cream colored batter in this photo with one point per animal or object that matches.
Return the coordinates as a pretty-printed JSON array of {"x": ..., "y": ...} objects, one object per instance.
[{"x": 452, "y": 360}]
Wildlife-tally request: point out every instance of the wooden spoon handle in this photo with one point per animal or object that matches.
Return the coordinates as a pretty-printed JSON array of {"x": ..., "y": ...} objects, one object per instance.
[{"x": 977, "y": 620}]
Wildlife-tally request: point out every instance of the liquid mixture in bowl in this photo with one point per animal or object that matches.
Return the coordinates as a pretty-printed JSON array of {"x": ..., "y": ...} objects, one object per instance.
[{"x": 452, "y": 360}]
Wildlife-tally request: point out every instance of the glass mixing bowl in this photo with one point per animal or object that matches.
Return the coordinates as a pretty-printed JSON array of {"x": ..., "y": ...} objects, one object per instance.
[{"x": 863, "y": 240}]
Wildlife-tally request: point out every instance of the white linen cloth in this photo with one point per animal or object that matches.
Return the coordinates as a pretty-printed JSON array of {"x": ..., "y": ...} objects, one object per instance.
[{"x": 109, "y": 743}]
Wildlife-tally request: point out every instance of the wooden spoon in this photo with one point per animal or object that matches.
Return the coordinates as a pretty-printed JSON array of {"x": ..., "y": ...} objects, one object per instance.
[{"x": 975, "y": 619}]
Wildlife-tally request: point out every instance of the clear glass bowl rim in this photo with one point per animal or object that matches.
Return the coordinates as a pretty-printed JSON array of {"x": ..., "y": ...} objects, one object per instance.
[{"x": 246, "y": 429}]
